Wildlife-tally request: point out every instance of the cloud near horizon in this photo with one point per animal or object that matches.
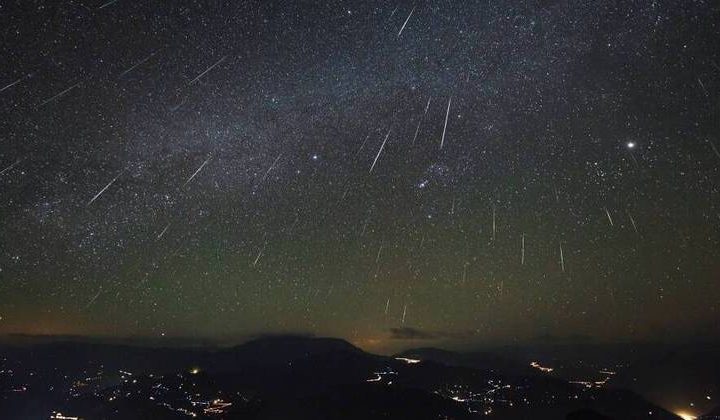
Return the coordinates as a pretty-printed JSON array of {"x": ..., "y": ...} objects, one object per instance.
[{"x": 410, "y": 333}]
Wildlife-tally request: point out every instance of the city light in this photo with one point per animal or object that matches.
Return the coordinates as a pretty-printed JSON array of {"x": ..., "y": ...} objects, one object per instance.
[
  {"x": 685, "y": 415},
  {"x": 408, "y": 360},
  {"x": 537, "y": 366}
]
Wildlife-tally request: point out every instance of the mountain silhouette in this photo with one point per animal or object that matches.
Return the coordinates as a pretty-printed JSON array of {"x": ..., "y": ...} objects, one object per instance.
[{"x": 292, "y": 377}]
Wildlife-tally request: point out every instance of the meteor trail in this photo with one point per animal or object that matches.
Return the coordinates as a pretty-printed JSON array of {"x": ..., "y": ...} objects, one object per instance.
[
  {"x": 633, "y": 222},
  {"x": 106, "y": 187},
  {"x": 447, "y": 115},
  {"x": 9, "y": 168},
  {"x": 562, "y": 259},
  {"x": 406, "y": 21},
  {"x": 493, "y": 225},
  {"x": 198, "y": 171},
  {"x": 12, "y": 84},
  {"x": 207, "y": 70},
  {"x": 379, "y": 151},
  {"x": 702, "y": 85},
  {"x": 258, "y": 256},
  {"x": 362, "y": 145},
  {"x": 712, "y": 145},
  {"x": 138, "y": 64},
  {"x": 417, "y": 130},
  {"x": 94, "y": 298},
  {"x": 111, "y": 2},
  {"x": 163, "y": 231},
  {"x": 270, "y": 168},
  {"x": 609, "y": 217},
  {"x": 46, "y": 101}
]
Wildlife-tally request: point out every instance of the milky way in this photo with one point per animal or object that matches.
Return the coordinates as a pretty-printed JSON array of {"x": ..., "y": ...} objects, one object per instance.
[{"x": 483, "y": 171}]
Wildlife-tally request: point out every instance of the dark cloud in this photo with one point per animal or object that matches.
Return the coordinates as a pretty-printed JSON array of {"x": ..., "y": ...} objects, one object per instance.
[
  {"x": 572, "y": 338},
  {"x": 410, "y": 333}
]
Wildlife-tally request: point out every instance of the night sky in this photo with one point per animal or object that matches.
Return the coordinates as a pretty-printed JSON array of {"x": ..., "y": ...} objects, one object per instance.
[{"x": 386, "y": 172}]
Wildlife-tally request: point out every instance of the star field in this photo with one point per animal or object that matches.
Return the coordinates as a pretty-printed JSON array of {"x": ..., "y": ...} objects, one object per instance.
[{"x": 478, "y": 170}]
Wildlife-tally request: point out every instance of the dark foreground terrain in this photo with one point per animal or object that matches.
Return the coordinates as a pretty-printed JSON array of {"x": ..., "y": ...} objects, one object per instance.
[{"x": 289, "y": 378}]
